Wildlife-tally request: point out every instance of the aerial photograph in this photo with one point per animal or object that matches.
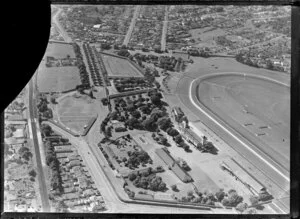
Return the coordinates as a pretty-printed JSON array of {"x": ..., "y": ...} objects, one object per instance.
[{"x": 179, "y": 109}]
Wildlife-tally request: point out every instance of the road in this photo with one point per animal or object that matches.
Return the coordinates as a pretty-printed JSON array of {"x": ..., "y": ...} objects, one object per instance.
[
  {"x": 40, "y": 175},
  {"x": 164, "y": 30},
  {"x": 132, "y": 24},
  {"x": 239, "y": 144},
  {"x": 59, "y": 27}
]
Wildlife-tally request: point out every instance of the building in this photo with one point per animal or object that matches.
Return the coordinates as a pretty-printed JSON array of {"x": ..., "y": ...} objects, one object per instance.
[
  {"x": 192, "y": 137},
  {"x": 178, "y": 113},
  {"x": 164, "y": 154}
]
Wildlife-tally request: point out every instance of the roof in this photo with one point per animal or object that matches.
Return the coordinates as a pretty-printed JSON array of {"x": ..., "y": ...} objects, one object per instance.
[{"x": 169, "y": 160}]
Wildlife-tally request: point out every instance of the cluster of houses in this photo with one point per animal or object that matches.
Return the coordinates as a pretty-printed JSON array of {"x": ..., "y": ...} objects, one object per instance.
[
  {"x": 56, "y": 62},
  {"x": 146, "y": 33},
  {"x": 19, "y": 191},
  {"x": 80, "y": 192},
  {"x": 81, "y": 27}
]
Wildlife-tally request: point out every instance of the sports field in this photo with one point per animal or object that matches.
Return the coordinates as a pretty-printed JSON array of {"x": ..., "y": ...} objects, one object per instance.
[
  {"x": 259, "y": 109},
  {"x": 76, "y": 113},
  {"x": 58, "y": 79},
  {"x": 119, "y": 67}
]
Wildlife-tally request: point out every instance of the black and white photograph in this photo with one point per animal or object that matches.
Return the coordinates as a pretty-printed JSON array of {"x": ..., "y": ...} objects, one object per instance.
[{"x": 155, "y": 109}]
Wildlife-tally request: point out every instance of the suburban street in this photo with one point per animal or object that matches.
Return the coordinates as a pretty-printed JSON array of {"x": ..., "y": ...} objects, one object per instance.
[
  {"x": 60, "y": 28},
  {"x": 164, "y": 30},
  {"x": 40, "y": 175},
  {"x": 132, "y": 24}
]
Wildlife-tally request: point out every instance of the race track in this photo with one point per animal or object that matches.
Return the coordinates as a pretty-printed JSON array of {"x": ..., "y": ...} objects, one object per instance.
[{"x": 257, "y": 108}]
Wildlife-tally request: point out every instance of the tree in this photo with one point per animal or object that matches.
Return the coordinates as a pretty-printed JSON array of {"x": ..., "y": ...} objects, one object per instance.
[
  {"x": 32, "y": 173},
  {"x": 225, "y": 202},
  {"x": 220, "y": 195},
  {"x": 47, "y": 130},
  {"x": 241, "y": 207},
  {"x": 162, "y": 186},
  {"x": 173, "y": 132},
  {"x": 164, "y": 123},
  {"x": 136, "y": 114},
  {"x": 132, "y": 176},
  {"x": 190, "y": 193},
  {"x": 186, "y": 147},
  {"x": 174, "y": 187},
  {"x": 53, "y": 100},
  {"x": 178, "y": 139}
]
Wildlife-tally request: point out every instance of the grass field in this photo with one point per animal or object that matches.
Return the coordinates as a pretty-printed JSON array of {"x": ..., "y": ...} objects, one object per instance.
[
  {"x": 60, "y": 50},
  {"x": 58, "y": 79},
  {"x": 119, "y": 67},
  {"x": 258, "y": 109},
  {"x": 76, "y": 113}
]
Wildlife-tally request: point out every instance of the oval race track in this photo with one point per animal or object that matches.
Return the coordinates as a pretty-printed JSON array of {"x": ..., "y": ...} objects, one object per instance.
[{"x": 256, "y": 107}]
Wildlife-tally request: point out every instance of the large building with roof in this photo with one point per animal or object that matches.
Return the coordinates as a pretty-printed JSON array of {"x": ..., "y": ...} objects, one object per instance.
[{"x": 165, "y": 155}]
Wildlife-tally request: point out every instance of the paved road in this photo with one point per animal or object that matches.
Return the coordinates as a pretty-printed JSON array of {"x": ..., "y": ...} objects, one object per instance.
[
  {"x": 132, "y": 24},
  {"x": 164, "y": 30},
  {"x": 40, "y": 175},
  {"x": 59, "y": 27}
]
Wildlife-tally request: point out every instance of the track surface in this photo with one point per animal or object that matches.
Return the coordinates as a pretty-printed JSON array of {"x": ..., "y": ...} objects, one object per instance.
[{"x": 260, "y": 104}]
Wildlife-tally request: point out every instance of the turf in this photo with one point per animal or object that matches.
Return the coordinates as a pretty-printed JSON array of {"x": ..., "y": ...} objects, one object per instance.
[{"x": 239, "y": 100}]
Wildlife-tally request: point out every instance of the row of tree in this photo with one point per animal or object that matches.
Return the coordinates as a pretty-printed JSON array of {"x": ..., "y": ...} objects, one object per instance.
[
  {"x": 44, "y": 111},
  {"x": 84, "y": 77}
]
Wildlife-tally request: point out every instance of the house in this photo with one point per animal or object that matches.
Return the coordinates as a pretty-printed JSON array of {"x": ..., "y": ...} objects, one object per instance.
[
  {"x": 63, "y": 149},
  {"x": 88, "y": 192},
  {"x": 74, "y": 163},
  {"x": 164, "y": 154}
]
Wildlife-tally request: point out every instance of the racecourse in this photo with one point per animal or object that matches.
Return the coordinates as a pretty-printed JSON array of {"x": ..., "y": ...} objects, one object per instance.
[
  {"x": 257, "y": 107},
  {"x": 269, "y": 171}
]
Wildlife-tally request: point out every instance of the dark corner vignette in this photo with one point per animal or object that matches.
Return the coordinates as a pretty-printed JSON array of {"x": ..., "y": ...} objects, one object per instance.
[{"x": 36, "y": 45}]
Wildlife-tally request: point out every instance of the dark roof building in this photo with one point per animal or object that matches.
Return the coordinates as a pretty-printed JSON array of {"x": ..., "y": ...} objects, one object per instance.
[{"x": 164, "y": 154}]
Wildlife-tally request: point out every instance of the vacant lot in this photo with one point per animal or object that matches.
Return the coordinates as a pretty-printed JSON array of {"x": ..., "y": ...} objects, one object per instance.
[
  {"x": 58, "y": 79},
  {"x": 118, "y": 67},
  {"x": 75, "y": 113},
  {"x": 259, "y": 109}
]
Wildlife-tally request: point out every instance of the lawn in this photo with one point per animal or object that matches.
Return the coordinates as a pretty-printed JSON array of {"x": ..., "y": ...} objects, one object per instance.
[
  {"x": 60, "y": 50},
  {"x": 261, "y": 103},
  {"x": 75, "y": 113},
  {"x": 119, "y": 67},
  {"x": 58, "y": 79}
]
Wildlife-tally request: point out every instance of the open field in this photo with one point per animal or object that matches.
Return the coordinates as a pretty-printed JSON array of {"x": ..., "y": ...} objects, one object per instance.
[
  {"x": 60, "y": 50},
  {"x": 58, "y": 79},
  {"x": 76, "y": 113},
  {"x": 258, "y": 109},
  {"x": 119, "y": 67}
]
